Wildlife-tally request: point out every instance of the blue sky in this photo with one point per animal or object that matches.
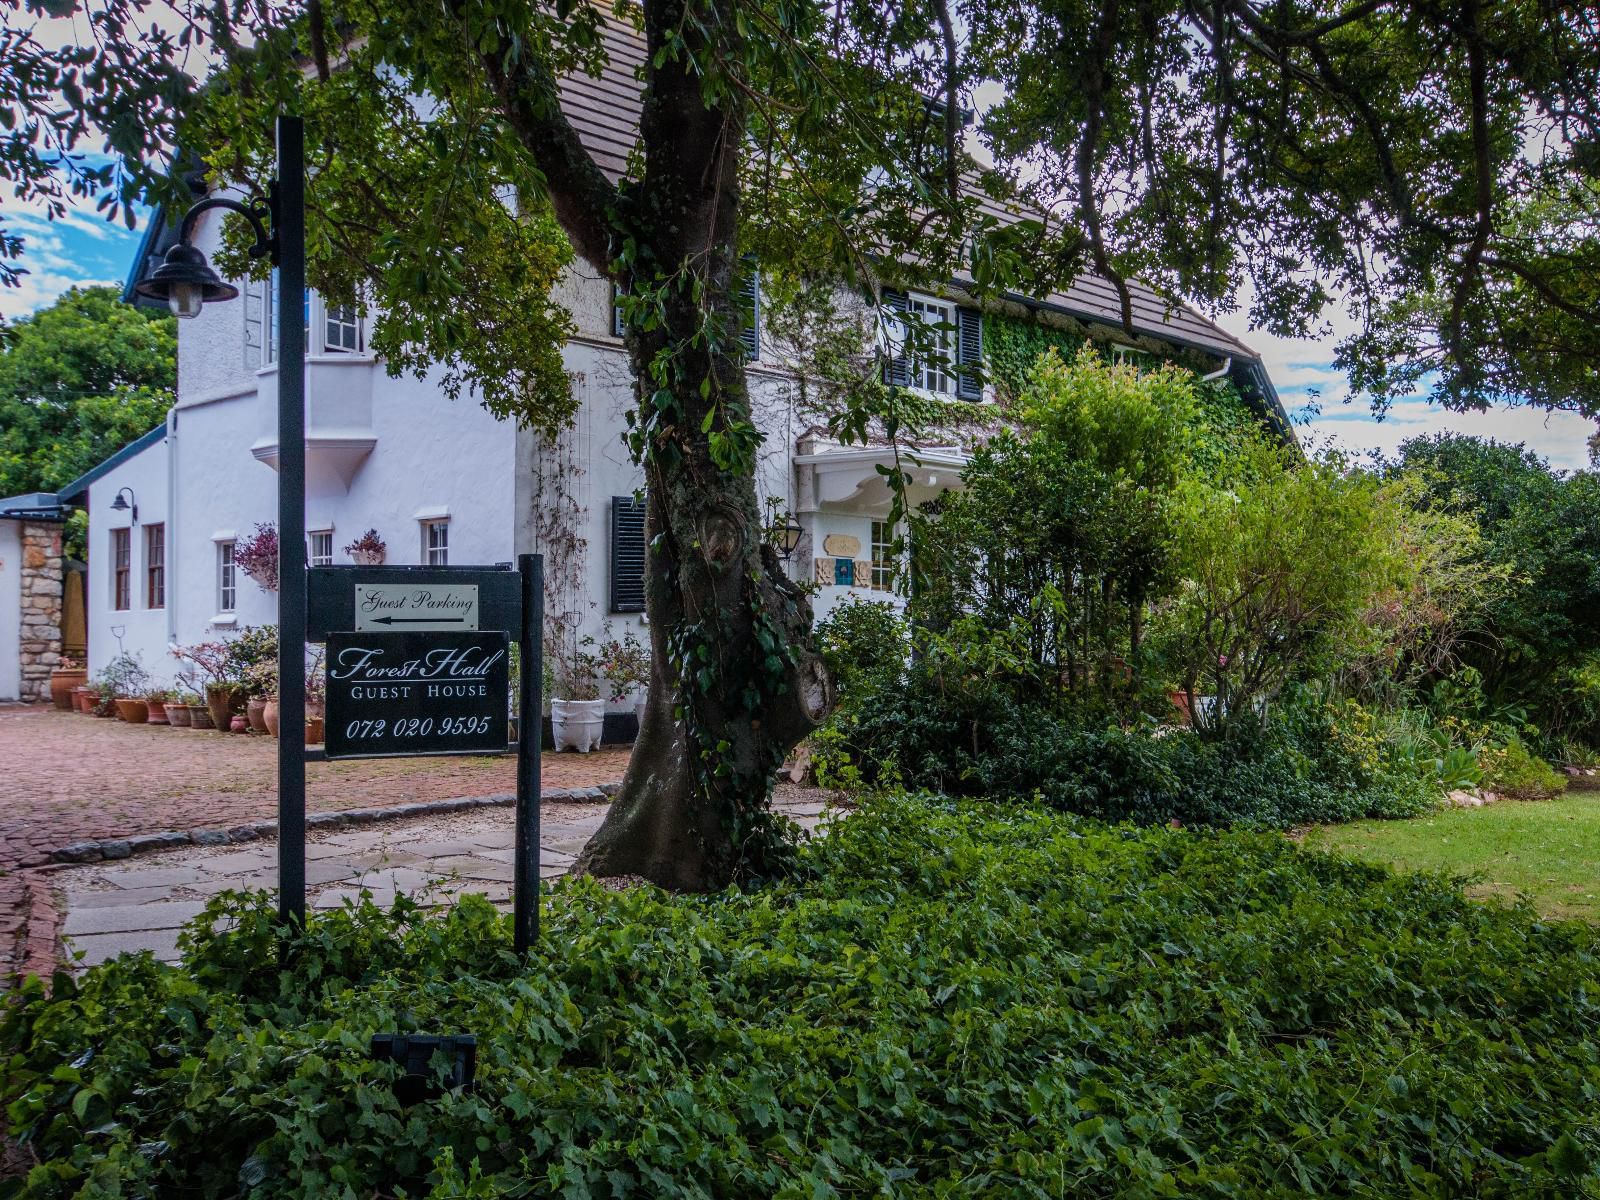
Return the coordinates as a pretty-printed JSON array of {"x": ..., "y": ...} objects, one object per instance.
[{"x": 83, "y": 248}]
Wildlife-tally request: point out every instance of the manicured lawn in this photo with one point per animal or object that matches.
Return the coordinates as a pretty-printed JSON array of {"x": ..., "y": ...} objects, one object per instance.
[{"x": 1548, "y": 850}]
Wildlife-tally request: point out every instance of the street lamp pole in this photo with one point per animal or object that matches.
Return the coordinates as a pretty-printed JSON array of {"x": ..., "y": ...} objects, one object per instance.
[
  {"x": 186, "y": 281},
  {"x": 289, "y": 226}
]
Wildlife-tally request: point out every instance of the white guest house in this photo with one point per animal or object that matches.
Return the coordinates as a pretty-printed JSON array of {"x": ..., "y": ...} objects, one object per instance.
[{"x": 444, "y": 482}]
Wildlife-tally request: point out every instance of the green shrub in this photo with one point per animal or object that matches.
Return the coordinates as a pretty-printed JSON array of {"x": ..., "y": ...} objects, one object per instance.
[
  {"x": 1515, "y": 771},
  {"x": 971, "y": 739},
  {"x": 954, "y": 1001}
]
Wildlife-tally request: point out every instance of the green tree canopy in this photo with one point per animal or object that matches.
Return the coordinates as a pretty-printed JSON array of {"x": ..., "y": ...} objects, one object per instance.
[
  {"x": 1405, "y": 157},
  {"x": 78, "y": 381}
]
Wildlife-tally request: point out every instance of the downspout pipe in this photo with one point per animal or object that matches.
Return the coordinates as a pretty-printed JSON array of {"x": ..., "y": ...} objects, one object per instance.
[
  {"x": 1227, "y": 365},
  {"x": 172, "y": 541}
]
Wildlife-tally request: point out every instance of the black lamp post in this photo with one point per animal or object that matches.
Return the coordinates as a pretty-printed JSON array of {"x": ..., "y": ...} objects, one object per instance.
[{"x": 186, "y": 281}]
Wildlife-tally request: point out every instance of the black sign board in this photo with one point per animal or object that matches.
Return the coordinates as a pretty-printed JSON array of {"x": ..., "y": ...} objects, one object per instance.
[
  {"x": 427, "y": 692},
  {"x": 359, "y": 597}
]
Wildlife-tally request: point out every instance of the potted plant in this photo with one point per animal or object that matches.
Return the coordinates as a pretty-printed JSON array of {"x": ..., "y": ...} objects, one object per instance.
[
  {"x": 211, "y": 662},
  {"x": 68, "y": 674},
  {"x": 123, "y": 683},
  {"x": 625, "y": 662},
  {"x": 368, "y": 550},
  {"x": 269, "y": 714},
  {"x": 83, "y": 698},
  {"x": 577, "y": 712},
  {"x": 257, "y": 556},
  {"x": 156, "y": 699},
  {"x": 253, "y": 655},
  {"x": 177, "y": 707},
  {"x": 260, "y": 683}
]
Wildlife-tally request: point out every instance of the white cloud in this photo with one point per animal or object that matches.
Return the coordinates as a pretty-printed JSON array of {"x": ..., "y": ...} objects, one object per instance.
[
  {"x": 41, "y": 288},
  {"x": 1299, "y": 365}
]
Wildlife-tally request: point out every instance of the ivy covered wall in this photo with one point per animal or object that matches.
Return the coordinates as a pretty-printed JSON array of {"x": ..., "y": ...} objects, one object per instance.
[{"x": 1012, "y": 343}]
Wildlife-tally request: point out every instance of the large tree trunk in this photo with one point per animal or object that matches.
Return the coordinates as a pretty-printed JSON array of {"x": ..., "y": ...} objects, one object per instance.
[{"x": 736, "y": 680}]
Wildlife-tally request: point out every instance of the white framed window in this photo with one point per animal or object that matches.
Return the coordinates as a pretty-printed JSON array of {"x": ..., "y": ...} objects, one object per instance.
[
  {"x": 321, "y": 548},
  {"x": 121, "y": 568},
  {"x": 330, "y": 328},
  {"x": 1130, "y": 356},
  {"x": 227, "y": 578},
  {"x": 935, "y": 351},
  {"x": 436, "y": 542},
  {"x": 155, "y": 566},
  {"x": 883, "y": 560},
  {"x": 341, "y": 329}
]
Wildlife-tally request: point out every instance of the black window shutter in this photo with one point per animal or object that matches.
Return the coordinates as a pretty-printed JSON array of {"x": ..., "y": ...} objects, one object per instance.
[
  {"x": 897, "y": 367},
  {"x": 969, "y": 353},
  {"x": 750, "y": 308},
  {"x": 627, "y": 554},
  {"x": 616, "y": 311}
]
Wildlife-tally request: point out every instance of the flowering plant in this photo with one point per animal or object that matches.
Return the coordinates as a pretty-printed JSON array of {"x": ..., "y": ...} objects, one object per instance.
[
  {"x": 369, "y": 543},
  {"x": 257, "y": 556},
  {"x": 625, "y": 662},
  {"x": 210, "y": 662}
]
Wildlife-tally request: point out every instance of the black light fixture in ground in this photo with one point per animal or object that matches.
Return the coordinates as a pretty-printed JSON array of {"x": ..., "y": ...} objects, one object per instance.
[{"x": 187, "y": 282}]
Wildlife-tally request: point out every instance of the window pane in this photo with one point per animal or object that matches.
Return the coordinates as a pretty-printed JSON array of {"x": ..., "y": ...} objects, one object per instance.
[
  {"x": 436, "y": 543},
  {"x": 883, "y": 563},
  {"x": 934, "y": 348},
  {"x": 121, "y": 569},
  {"x": 226, "y": 592},
  {"x": 343, "y": 332},
  {"x": 155, "y": 566},
  {"x": 322, "y": 549}
]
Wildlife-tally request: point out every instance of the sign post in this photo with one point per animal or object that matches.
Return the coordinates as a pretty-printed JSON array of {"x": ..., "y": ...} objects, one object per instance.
[
  {"x": 418, "y": 663},
  {"x": 525, "y": 890}
]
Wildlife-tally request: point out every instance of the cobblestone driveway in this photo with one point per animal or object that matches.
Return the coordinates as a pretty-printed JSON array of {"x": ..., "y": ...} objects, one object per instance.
[{"x": 66, "y": 778}]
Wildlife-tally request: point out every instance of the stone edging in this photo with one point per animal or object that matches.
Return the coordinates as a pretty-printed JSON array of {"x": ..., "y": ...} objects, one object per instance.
[{"x": 118, "y": 848}]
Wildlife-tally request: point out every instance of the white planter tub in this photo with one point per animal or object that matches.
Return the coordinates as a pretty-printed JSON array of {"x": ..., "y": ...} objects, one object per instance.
[{"x": 577, "y": 724}]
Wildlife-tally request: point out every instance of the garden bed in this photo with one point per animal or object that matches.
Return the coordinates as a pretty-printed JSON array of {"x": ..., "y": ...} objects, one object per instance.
[{"x": 956, "y": 1000}]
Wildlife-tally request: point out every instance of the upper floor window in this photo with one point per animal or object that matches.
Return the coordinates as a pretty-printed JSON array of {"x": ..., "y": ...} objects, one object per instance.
[
  {"x": 121, "y": 568},
  {"x": 934, "y": 345},
  {"x": 436, "y": 543},
  {"x": 330, "y": 328},
  {"x": 322, "y": 548},
  {"x": 1129, "y": 356},
  {"x": 155, "y": 566}
]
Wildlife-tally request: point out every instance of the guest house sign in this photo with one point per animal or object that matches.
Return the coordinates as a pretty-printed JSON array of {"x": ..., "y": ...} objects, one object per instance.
[{"x": 394, "y": 693}]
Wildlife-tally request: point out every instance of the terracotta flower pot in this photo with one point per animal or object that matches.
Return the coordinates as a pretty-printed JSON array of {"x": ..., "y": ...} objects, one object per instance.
[
  {"x": 158, "y": 711},
  {"x": 269, "y": 715},
  {"x": 177, "y": 715},
  {"x": 134, "y": 712},
  {"x": 200, "y": 717},
  {"x": 63, "y": 683},
  {"x": 239, "y": 723},
  {"x": 313, "y": 731},
  {"x": 254, "y": 714},
  {"x": 223, "y": 700},
  {"x": 367, "y": 558},
  {"x": 80, "y": 699}
]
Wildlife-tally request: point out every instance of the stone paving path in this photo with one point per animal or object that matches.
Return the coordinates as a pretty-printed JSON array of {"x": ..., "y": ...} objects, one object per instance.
[
  {"x": 140, "y": 904},
  {"x": 66, "y": 778}
]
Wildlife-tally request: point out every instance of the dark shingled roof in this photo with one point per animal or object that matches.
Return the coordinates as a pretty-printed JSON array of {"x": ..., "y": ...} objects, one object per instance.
[{"x": 605, "y": 113}]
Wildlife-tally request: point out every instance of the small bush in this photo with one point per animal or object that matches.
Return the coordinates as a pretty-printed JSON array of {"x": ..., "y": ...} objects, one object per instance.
[
  {"x": 1513, "y": 770},
  {"x": 954, "y": 1000}
]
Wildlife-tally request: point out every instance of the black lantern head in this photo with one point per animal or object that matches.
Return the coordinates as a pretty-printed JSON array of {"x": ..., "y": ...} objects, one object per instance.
[{"x": 186, "y": 281}]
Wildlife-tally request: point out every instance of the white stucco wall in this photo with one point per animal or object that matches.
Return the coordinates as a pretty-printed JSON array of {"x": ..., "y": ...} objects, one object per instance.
[
  {"x": 380, "y": 452},
  {"x": 10, "y": 609}
]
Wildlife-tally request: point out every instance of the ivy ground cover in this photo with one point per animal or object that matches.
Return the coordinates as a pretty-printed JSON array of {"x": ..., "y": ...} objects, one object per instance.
[{"x": 951, "y": 1001}]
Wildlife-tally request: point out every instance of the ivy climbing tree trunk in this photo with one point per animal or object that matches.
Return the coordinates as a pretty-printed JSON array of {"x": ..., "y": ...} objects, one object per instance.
[{"x": 736, "y": 680}]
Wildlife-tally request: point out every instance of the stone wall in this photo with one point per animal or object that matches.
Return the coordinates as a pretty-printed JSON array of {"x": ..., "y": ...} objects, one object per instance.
[{"x": 40, "y": 636}]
